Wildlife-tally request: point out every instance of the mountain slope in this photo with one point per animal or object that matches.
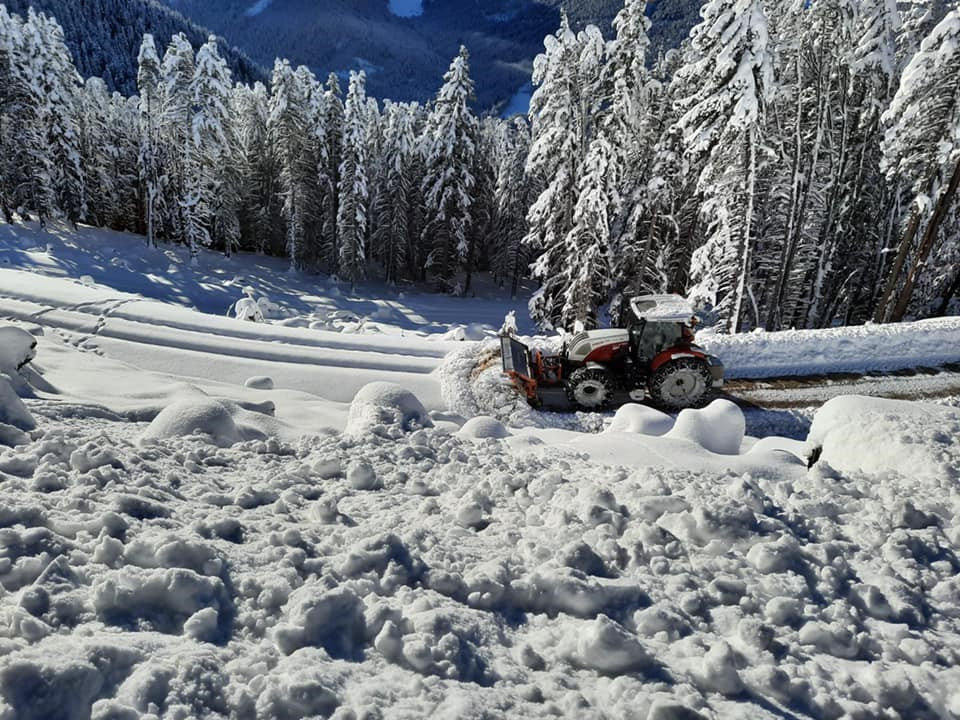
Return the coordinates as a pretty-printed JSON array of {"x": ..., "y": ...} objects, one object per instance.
[
  {"x": 405, "y": 57},
  {"x": 105, "y": 35}
]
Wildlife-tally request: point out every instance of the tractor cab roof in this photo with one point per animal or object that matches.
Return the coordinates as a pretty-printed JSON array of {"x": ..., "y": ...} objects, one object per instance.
[{"x": 662, "y": 308}]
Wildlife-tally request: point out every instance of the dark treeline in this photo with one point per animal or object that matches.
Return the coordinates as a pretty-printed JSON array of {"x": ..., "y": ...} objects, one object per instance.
[{"x": 791, "y": 165}]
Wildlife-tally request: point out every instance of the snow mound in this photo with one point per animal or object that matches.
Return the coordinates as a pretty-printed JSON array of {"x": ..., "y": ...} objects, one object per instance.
[
  {"x": 640, "y": 419},
  {"x": 259, "y": 382},
  {"x": 472, "y": 332},
  {"x": 483, "y": 427},
  {"x": 719, "y": 427},
  {"x": 225, "y": 423},
  {"x": 12, "y": 410},
  {"x": 874, "y": 435},
  {"x": 381, "y": 407},
  {"x": 17, "y": 348}
]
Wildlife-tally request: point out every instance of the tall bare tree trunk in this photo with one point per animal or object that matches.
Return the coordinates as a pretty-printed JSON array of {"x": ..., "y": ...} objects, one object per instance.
[{"x": 929, "y": 237}]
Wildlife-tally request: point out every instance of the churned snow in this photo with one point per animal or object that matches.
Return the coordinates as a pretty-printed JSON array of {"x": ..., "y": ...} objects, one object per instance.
[{"x": 205, "y": 517}]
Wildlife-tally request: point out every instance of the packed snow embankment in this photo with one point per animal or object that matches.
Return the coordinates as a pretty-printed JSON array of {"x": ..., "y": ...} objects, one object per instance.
[{"x": 856, "y": 349}]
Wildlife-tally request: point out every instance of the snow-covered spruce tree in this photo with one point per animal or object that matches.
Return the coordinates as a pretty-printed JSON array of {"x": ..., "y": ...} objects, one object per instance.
[
  {"x": 512, "y": 197},
  {"x": 59, "y": 112},
  {"x": 99, "y": 152},
  {"x": 672, "y": 198},
  {"x": 20, "y": 140},
  {"x": 809, "y": 129},
  {"x": 261, "y": 206},
  {"x": 722, "y": 123},
  {"x": 212, "y": 196},
  {"x": 353, "y": 191},
  {"x": 588, "y": 242},
  {"x": 558, "y": 142},
  {"x": 287, "y": 125},
  {"x": 480, "y": 241},
  {"x": 922, "y": 150},
  {"x": 330, "y": 174},
  {"x": 628, "y": 126},
  {"x": 865, "y": 220},
  {"x": 176, "y": 131},
  {"x": 151, "y": 172},
  {"x": 450, "y": 146},
  {"x": 313, "y": 160},
  {"x": 392, "y": 210}
]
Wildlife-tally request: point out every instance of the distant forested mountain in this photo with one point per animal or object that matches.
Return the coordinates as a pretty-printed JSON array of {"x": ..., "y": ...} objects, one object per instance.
[
  {"x": 104, "y": 36},
  {"x": 404, "y": 57}
]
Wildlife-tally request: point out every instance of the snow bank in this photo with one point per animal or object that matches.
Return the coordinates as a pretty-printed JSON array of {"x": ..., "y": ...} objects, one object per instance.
[
  {"x": 383, "y": 407},
  {"x": 875, "y": 435},
  {"x": 863, "y": 348},
  {"x": 719, "y": 427}
]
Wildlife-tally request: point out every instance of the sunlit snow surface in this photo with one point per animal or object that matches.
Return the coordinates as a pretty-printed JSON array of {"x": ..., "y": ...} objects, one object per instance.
[
  {"x": 334, "y": 514},
  {"x": 406, "y": 8}
]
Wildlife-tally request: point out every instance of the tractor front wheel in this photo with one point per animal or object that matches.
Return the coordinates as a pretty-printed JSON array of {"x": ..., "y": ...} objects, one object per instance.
[
  {"x": 590, "y": 388},
  {"x": 680, "y": 383}
]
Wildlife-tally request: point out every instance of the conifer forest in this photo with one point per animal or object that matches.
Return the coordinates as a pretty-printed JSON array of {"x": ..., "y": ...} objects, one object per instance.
[{"x": 790, "y": 165}]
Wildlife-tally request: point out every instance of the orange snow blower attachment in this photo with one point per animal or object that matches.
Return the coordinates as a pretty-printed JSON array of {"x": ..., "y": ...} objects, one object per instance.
[{"x": 516, "y": 365}]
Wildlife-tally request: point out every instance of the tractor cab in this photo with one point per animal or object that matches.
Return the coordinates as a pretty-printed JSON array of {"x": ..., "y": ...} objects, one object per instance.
[{"x": 657, "y": 323}]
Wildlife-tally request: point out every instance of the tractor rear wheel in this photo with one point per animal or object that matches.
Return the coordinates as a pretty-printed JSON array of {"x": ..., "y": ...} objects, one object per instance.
[
  {"x": 590, "y": 388},
  {"x": 680, "y": 383}
]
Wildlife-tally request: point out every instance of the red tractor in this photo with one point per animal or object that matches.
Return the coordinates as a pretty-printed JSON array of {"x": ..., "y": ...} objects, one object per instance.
[{"x": 653, "y": 356}]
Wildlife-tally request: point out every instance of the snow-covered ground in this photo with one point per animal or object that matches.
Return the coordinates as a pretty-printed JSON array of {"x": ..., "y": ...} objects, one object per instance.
[{"x": 311, "y": 517}]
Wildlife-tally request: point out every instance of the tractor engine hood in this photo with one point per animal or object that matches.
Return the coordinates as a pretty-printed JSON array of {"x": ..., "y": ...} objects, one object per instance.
[{"x": 597, "y": 345}]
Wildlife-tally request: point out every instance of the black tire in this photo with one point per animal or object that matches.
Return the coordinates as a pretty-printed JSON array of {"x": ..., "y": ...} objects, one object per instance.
[
  {"x": 590, "y": 388},
  {"x": 681, "y": 383}
]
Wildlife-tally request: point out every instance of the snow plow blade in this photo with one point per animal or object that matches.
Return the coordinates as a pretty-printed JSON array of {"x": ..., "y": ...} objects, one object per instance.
[{"x": 516, "y": 364}]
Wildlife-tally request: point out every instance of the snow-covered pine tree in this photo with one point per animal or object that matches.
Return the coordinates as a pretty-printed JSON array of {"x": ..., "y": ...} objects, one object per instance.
[
  {"x": 151, "y": 172},
  {"x": 864, "y": 223},
  {"x": 450, "y": 146},
  {"x": 176, "y": 130},
  {"x": 483, "y": 211},
  {"x": 212, "y": 196},
  {"x": 330, "y": 174},
  {"x": 261, "y": 206},
  {"x": 626, "y": 94},
  {"x": 394, "y": 199},
  {"x": 557, "y": 145},
  {"x": 353, "y": 190},
  {"x": 16, "y": 113},
  {"x": 722, "y": 123},
  {"x": 922, "y": 150},
  {"x": 288, "y": 128},
  {"x": 31, "y": 162},
  {"x": 512, "y": 196},
  {"x": 59, "y": 112},
  {"x": 588, "y": 242},
  {"x": 99, "y": 153}
]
